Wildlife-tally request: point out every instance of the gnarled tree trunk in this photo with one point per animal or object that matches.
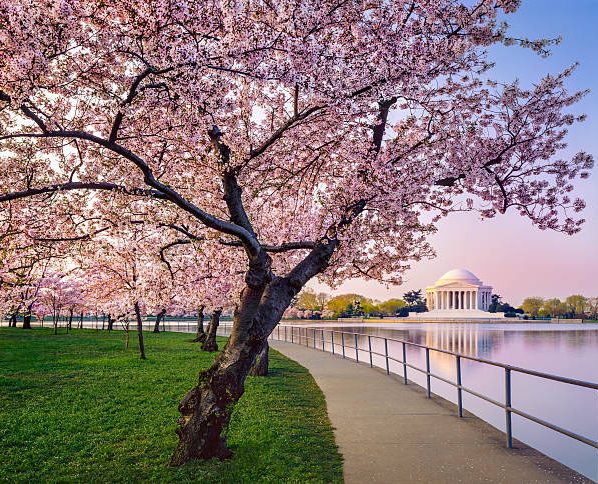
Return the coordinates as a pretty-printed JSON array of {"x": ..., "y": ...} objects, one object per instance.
[
  {"x": 139, "y": 331},
  {"x": 207, "y": 408},
  {"x": 210, "y": 343},
  {"x": 260, "y": 367},
  {"x": 200, "y": 335}
]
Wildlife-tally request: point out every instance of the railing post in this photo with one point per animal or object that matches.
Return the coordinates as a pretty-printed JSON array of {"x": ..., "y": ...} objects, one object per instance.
[
  {"x": 370, "y": 350},
  {"x": 343, "y": 343},
  {"x": 323, "y": 345},
  {"x": 459, "y": 390},
  {"x": 509, "y": 430},
  {"x": 404, "y": 363},
  {"x": 386, "y": 355},
  {"x": 356, "y": 347},
  {"x": 306, "y": 338},
  {"x": 332, "y": 340},
  {"x": 428, "y": 370},
  {"x": 285, "y": 334},
  {"x": 314, "y": 332},
  {"x": 292, "y": 334}
]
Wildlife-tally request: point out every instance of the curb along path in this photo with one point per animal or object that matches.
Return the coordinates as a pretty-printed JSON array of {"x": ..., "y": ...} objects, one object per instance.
[{"x": 389, "y": 432}]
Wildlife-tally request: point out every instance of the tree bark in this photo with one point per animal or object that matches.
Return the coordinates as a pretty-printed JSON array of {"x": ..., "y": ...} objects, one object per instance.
[
  {"x": 200, "y": 335},
  {"x": 110, "y": 322},
  {"x": 260, "y": 367},
  {"x": 210, "y": 343},
  {"x": 69, "y": 325},
  {"x": 159, "y": 317},
  {"x": 81, "y": 321},
  {"x": 140, "y": 332},
  {"x": 207, "y": 408},
  {"x": 27, "y": 318}
]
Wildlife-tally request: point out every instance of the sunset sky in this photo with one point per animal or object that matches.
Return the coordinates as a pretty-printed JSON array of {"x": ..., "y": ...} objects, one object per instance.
[{"x": 510, "y": 254}]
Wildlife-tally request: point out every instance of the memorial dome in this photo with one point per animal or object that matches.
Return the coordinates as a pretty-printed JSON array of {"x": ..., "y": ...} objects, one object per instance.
[{"x": 459, "y": 275}]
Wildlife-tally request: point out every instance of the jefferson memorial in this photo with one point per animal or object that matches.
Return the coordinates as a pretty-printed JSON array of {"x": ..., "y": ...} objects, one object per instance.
[{"x": 458, "y": 294}]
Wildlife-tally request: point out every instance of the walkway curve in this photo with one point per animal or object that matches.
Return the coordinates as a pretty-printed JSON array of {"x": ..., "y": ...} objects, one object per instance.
[{"x": 388, "y": 432}]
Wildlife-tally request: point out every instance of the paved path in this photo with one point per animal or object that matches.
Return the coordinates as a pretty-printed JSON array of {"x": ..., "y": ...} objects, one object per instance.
[{"x": 389, "y": 432}]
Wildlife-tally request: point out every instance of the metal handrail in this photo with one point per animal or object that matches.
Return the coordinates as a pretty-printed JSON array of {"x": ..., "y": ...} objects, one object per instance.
[{"x": 507, "y": 406}]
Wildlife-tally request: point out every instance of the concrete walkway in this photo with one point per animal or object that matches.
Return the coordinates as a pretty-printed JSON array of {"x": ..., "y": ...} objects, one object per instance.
[{"x": 388, "y": 432}]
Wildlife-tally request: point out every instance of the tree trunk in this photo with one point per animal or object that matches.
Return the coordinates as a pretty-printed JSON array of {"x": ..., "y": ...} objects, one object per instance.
[
  {"x": 260, "y": 367},
  {"x": 27, "y": 318},
  {"x": 12, "y": 322},
  {"x": 140, "y": 332},
  {"x": 200, "y": 335},
  {"x": 207, "y": 408},
  {"x": 159, "y": 317},
  {"x": 127, "y": 337},
  {"x": 69, "y": 325},
  {"x": 210, "y": 343},
  {"x": 110, "y": 322},
  {"x": 81, "y": 321}
]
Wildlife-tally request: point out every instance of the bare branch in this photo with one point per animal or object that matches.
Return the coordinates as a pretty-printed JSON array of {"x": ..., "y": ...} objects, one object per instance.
[{"x": 80, "y": 186}]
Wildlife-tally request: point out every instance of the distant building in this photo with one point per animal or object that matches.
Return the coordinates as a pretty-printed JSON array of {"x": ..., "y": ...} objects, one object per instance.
[{"x": 458, "y": 294}]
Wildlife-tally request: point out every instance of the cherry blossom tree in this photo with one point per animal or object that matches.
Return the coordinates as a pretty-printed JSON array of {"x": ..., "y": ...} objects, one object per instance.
[
  {"x": 122, "y": 276},
  {"x": 310, "y": 138},
  {"x": 54, "y": 295},
  {"x": 25, "y": 261}
]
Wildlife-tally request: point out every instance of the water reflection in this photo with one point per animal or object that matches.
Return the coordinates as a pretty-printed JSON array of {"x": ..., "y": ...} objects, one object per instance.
[{"x": 563, "y": 349}]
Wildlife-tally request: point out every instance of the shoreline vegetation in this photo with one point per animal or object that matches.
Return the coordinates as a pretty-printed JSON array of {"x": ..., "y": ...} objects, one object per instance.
[{"x": 78, "y": 407}]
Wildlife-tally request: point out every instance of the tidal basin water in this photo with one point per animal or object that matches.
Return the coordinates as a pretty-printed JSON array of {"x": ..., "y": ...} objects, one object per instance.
[{"x": 568, "y": 350}]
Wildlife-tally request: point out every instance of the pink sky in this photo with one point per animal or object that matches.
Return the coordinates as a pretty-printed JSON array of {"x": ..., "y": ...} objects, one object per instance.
[{"x": 508, "y": 253}]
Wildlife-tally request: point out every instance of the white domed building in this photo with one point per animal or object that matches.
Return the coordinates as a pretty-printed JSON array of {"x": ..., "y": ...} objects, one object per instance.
[{"x": 458, "y": 294}]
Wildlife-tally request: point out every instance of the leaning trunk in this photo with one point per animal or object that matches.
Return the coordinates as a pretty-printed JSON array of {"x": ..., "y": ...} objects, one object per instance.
[
  {"x": 210, "y": 342},
  {"x": 260, "y": 367},
  {"x": 200, "y": 335},
  {"x": 207, "y": 408},
  {"x": 140, "y": 332}
]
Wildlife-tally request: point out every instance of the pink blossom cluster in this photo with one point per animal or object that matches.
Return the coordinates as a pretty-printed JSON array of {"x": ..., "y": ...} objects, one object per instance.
[{"x": 170, "y": 151}]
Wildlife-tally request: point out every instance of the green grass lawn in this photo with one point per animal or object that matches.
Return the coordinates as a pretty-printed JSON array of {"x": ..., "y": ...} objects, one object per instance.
[{"x": 77, "y": 407}]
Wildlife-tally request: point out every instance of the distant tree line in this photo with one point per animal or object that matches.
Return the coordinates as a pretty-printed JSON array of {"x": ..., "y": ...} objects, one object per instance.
[
  {"x": 321, "y": 305},
  {"x": 575, "y": 306}
]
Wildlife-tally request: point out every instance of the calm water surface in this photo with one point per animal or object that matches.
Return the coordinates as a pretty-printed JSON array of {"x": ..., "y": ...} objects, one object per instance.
[{"x": 561, "y": 349}]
